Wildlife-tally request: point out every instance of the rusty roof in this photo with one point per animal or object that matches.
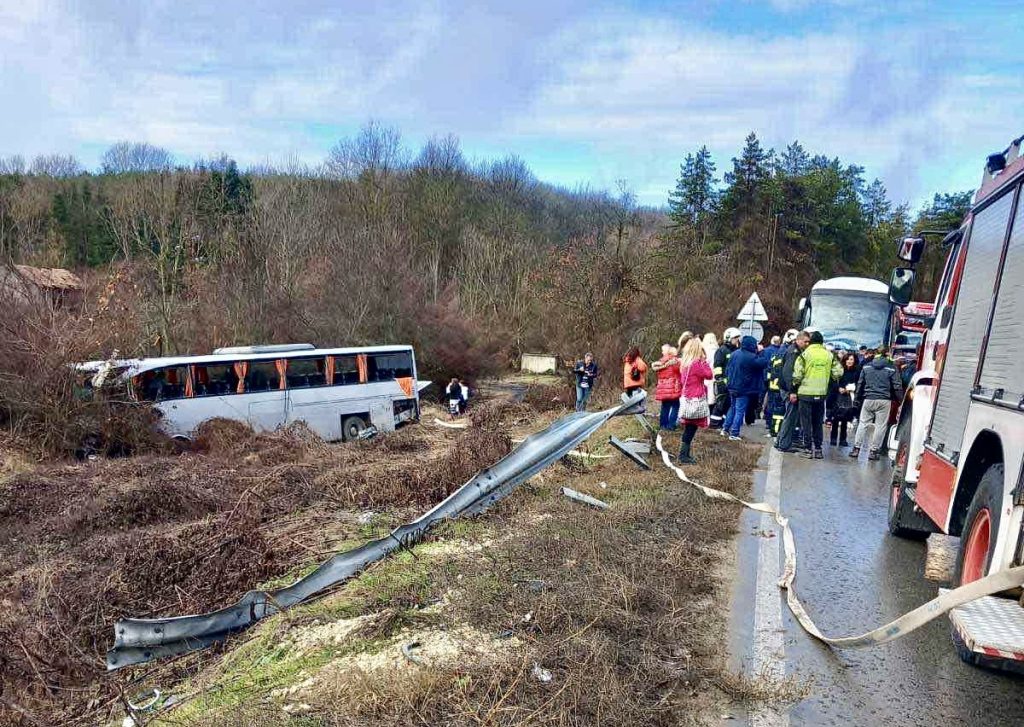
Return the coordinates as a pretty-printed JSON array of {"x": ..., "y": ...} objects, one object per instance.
[{"x": 57, "y": 278}]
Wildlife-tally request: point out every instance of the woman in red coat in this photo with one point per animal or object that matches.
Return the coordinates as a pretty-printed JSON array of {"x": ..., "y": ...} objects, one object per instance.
[
  {"x": 694, "y": 372},
  {"x": 669, "y": 386}
]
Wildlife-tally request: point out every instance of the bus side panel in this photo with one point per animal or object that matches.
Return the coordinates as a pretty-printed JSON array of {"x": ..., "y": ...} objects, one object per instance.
[{"x": 970, "y": 320}]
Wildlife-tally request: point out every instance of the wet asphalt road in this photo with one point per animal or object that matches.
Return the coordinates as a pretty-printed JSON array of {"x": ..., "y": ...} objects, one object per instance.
[{"x": 852, "y": 576}]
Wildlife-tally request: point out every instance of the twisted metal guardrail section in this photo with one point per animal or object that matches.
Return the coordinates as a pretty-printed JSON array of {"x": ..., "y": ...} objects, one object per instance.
[{"x": 138, "y": 640}]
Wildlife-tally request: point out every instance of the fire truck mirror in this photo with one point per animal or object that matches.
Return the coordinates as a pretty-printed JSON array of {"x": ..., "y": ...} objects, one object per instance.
[
  {"x": 901, "y": 287},
  {"x": 910, "y": 249}
]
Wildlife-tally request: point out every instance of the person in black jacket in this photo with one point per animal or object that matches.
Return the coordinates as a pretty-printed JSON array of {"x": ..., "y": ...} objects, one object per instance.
[
  {"x": 879, "y": 385},
  {"x": 844, "y": 409},
  {"x": 720, "y": 406},
  {"x": 791, "y": 419},
  {"x": 586, "y": 372}
]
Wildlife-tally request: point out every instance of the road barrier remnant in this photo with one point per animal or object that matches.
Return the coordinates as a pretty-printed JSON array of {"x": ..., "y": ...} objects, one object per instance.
[{"x": 138, "y": 640}]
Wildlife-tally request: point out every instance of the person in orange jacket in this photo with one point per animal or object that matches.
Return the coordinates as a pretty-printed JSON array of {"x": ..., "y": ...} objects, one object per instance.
[{"x": 634, "y": 371}]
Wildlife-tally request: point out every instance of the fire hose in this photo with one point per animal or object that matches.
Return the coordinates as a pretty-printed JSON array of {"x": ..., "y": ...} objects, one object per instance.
[{"x": 944, "y": 603}]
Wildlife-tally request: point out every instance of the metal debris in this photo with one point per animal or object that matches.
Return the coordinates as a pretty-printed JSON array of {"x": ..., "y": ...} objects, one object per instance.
[
  {"x": 585, "y": 499},
  {"x": 627, "y": 450},
  {"x": 138, "y": 640}
]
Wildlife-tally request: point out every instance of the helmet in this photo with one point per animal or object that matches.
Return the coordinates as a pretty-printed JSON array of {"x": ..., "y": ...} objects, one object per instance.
[
  {"x": 790, "y": 336},
  {"x": 731, "y": 333}
]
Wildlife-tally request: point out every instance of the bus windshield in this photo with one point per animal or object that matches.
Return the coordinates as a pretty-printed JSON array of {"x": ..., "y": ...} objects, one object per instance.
[{"x": 850, "y": 320}]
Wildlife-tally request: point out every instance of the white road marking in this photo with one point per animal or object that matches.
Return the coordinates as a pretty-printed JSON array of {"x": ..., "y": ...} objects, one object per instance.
[{"x": 769, "y": 654}]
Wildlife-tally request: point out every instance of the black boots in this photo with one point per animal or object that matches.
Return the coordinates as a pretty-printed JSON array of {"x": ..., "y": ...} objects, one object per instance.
[
  {"x": 855, "y": 452},
  {"x": 873, "y": 456},
  {"x": 684, "y": 454}
]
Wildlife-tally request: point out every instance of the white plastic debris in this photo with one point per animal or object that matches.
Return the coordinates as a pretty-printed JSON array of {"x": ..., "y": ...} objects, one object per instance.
[{"x": 541, "y": 674}]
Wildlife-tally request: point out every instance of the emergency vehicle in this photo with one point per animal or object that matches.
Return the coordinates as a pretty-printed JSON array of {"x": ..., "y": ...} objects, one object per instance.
[{"x": 958, "y": 448}]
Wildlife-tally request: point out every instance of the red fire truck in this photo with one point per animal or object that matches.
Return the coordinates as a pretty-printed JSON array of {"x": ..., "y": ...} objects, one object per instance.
[{"x": 958, "y": 447}]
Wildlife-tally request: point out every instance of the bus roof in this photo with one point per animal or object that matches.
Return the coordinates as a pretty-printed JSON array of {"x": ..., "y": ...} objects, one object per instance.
[
  {"x": 860, "y": 285},
  {"x": 140, "y": 365}
]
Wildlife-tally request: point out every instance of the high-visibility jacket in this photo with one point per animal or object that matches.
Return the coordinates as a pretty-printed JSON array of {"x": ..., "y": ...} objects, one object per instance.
[{"x": 814, "y": 370}]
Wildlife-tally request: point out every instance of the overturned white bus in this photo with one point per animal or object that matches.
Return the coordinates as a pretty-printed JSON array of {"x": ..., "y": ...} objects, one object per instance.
[{"x": 337, "y": 392}]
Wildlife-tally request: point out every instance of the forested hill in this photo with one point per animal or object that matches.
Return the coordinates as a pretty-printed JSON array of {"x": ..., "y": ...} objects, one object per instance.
[{"x": 473, "y": 263}]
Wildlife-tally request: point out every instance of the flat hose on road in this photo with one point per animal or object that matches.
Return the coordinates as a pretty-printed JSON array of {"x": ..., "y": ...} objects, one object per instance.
[{"x": 987, "y": 586}]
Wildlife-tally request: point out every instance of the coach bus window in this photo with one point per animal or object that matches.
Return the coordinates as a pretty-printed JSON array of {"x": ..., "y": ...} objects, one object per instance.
[
  {"x": 163, "y": 384},
  {"x": 262, "y": 376},
  {"x": 305, "y": 372},
  {"x": 390, "y": 366},
  {"x": 215, "y": 380},
  {"x": 346, "y": 370}
]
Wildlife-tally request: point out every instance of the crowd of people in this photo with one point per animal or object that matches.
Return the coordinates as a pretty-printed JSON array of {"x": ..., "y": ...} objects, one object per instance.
[{"x": 796, "y": 383}]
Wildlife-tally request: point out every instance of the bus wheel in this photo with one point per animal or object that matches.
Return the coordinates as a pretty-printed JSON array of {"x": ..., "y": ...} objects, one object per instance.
[
  {"x": 978, "y": 539},
  {"x": 351, "y": 428},
  {"x": 904, "y": 520}
]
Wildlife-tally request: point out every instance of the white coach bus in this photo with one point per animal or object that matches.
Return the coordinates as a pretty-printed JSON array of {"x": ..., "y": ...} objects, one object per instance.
[{"x": 337, "y": 392}]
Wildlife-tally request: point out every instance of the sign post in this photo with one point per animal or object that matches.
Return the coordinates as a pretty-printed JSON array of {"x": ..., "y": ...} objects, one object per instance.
[{"x": 752, "y": 312}]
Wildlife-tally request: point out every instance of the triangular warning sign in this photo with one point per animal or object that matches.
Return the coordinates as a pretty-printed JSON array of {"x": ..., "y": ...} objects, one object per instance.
[{"x": 752, "y": 310}]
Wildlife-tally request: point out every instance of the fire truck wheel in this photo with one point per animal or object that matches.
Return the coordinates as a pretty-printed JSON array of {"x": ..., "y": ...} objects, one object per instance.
[
  {"x": 978, "y": 539},
  {"x": 904, "y": 520}
]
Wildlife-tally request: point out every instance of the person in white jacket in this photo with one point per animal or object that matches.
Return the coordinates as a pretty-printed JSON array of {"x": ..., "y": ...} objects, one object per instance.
[{"x": 710, "y": 344}]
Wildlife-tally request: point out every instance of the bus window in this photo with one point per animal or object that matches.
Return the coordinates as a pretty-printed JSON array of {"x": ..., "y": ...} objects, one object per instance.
[
  {"x": 346, "y": 370},
  {"x": 305, "y": 372},
  {"x": 215, "y": 380},
  {"x": 262, "y": 376},
  {"x": 389, "y": 366},
  {"x": 163, "y": 384}
]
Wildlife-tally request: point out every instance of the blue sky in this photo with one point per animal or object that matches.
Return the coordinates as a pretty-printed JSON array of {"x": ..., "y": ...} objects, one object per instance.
[{"x": 586, "y": 92}]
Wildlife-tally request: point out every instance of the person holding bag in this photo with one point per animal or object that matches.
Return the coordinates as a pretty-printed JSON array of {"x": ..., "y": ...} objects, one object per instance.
[{"x": 694, "y": 373}]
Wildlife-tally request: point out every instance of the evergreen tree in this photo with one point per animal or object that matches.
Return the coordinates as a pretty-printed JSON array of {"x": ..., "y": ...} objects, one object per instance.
[
  {"x": 795, "y": 161},
  {"x": 694, "y": 198},
  {"x": 749, "y": 173},
  {"x": 79, "y": 214}
]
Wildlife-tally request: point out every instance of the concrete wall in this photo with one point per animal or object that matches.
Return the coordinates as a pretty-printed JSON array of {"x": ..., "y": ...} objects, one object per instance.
[{"x": 539, "y": 363}]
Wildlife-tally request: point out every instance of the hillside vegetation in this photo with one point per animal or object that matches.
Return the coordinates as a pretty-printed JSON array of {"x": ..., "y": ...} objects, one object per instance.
[{"x": 473, "y": 263}]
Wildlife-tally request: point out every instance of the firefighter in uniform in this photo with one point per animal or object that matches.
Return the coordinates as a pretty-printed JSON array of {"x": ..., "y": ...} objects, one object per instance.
[
  {"x": 776, "y": 409},
  {"x": 720, "y": 407}
]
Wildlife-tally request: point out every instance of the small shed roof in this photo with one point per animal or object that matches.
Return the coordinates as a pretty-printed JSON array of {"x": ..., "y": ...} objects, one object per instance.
[{"x": 52, "y": 278}]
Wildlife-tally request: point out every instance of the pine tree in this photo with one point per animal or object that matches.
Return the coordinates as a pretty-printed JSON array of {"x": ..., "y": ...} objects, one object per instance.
[
  {"x": 795, "y": 161},
  {"x": 749, "y": 173},
  {"x": 694, "y": 197}
]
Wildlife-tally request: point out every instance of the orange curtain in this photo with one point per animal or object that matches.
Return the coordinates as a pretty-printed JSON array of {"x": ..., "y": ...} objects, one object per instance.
[
  {"x": 190, "y": 389},
  {"x": 361, "y": 365},
  {"x": 329, "y": 371},
  {"x": 241, "y": 369},
  {"x": 407, "y": 383},
  {"x": 282, "y": 371}
]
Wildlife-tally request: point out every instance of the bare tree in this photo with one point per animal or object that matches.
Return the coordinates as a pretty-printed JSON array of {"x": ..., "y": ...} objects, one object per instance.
[
  {"x": 14, "y": 164},
  {"x": 126, "y": 157},
  {"x": 55, "y": 165}
]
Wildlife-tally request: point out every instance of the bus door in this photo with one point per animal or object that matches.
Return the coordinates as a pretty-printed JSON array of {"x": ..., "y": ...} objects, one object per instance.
[{"x": 267, "y": 398}]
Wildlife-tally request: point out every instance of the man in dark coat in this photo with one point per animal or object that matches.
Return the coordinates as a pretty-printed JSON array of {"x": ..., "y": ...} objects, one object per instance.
[
  {"x": 745, "y": 374},
  {"x": 787, "y": 430}
]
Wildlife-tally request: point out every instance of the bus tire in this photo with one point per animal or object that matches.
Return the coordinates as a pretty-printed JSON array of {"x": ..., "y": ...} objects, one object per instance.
[
  {"x": 351, "y": 427},
  {"x": 978, "y": 539},
  {"x": 905, "y": 520}
]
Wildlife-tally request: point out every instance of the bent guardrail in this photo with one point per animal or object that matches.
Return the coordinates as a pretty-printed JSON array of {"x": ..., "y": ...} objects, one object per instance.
[{"x": 138, "y": 640}]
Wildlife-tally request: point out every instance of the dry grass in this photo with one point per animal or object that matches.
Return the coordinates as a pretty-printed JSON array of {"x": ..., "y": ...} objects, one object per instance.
[
  {"x": 621, "y": 606},
  {"x": 159, "y": 535}
]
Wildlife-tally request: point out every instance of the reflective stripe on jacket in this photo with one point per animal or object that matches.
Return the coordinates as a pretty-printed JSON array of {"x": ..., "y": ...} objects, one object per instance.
[{"x": 814, "y": 369}]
